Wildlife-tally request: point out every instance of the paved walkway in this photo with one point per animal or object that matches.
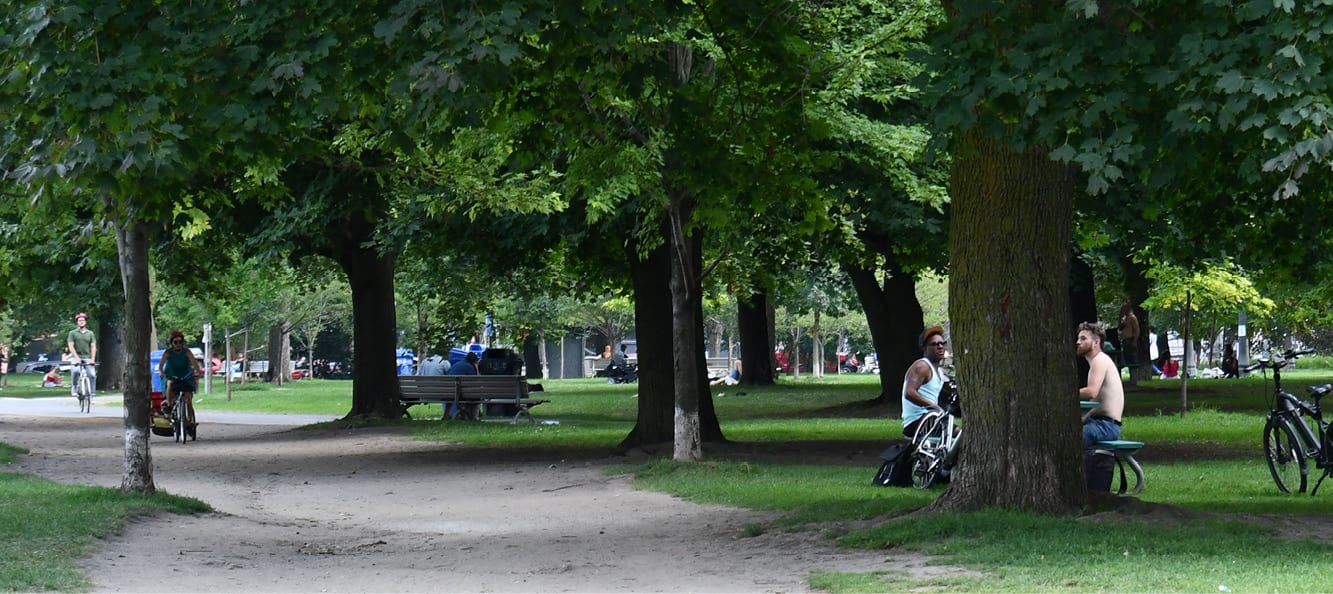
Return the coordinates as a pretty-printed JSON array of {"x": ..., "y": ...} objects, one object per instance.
[{"x": 109, "y": 406}]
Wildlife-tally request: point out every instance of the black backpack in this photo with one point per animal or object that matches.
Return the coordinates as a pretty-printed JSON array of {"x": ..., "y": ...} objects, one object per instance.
[{"x": 896, "y": 471}]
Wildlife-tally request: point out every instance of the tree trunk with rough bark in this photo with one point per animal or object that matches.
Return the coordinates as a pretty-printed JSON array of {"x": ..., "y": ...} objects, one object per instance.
[
  {"x": 754, "y": 323},
  {"x": 652, "y": 296},
  {"x": 1009, "y": 305},
  {"x": 656, "y": 422},
  {"x": 1137, "y": 286},
  {"x": 279, "y": 353},
  {"x": 895, "y": 319},
  {"x": 132, "y": 244},
  {"x": 686, "y": 327},
  {"x": 370, "y": 275},
  {"x": 111, "y": 351}
]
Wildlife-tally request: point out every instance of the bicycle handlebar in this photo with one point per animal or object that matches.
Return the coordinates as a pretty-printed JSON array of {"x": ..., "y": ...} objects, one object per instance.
[{"x": 1280, "y": 360}]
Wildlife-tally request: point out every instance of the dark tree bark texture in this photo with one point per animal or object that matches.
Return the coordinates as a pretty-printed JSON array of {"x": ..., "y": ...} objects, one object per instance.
[
  {"x": 658, "y": 376},
  {"x": 652, "y": 296},
  {"x": 754, "y": 323},
  {"x": 1083, "y": 305},
  {"x": 1010, "y": 240},
  {"x": 1137, "y": 286},
  {"x": 370, "y": 274},
  {"x": 111, "y": 351},
  {"x": 132, "y": 244},
  {"x": 895, "y": 319},
  {"x": 279, "y": 353}
]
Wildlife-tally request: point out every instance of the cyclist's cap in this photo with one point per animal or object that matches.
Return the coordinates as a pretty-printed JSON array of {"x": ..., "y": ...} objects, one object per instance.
[
  {"x": 81, "y": 315},
  {"x": 929, "y": 332},
  {"x": 177, "y": 334}
]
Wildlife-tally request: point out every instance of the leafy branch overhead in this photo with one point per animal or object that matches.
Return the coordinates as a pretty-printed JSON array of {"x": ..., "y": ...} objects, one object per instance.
[{"x": 1127, "y": 90}]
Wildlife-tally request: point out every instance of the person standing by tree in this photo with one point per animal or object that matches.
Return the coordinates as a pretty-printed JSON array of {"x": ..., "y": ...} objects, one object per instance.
[
  {"x": 1129, "y": 334},
  {"x": 1102, "y": 423},
  {"x": 4, "y": 365},
  {"x": 924, "y": 380},
  {"x": 82, "y": 350}
]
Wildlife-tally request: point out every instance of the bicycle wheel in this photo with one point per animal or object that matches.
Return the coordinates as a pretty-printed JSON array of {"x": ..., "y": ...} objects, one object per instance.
[
  {"x": 929, "y": 454},
  {"x": 178, "y": 419},
  {"x": 925, "y": 469},
  {"x": 85, "y": 394},
  {"x": 1285, "y": 454}
]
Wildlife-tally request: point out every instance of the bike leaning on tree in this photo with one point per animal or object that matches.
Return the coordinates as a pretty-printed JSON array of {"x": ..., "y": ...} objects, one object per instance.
[{"x": 1295, "y": 433}]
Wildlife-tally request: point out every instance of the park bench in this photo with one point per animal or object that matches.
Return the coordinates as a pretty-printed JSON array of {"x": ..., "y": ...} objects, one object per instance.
[{"x": 468, "y": 395}]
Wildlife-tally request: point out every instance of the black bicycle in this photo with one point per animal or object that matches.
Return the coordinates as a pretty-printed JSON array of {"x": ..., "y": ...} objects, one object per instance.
[
  {"x": 1296, "y": 432},
  {"x": 182, "y": 427}
]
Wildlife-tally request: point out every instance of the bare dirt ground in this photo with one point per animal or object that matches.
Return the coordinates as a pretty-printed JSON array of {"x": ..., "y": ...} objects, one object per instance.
[{"x": 370, "y": 510}]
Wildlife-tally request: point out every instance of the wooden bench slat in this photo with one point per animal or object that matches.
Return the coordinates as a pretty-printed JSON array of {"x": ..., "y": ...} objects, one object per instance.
[{"x": 471, "y": 390}]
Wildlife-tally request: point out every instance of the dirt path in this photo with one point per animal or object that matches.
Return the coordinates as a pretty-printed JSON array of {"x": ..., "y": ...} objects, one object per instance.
[{"x": 372, "y": 511}]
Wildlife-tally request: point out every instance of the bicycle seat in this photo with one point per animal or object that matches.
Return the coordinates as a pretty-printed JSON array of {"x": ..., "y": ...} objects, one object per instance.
[{"x": 1319, "y": 391}]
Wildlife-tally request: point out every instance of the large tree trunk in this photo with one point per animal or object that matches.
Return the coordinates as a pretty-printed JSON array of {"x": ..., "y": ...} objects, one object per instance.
[
  {"x": 754, "y": 323},
  {"x": 652, "y": 295},
  {"x": 656, "y": 423},
  {"x": 1009, "y": 303},
  {"x": 374, "y": 323},
  {"x": 685, "y": 337},
  {"x": 132, "y": 243},
  {"x": 895, "y": 319}
]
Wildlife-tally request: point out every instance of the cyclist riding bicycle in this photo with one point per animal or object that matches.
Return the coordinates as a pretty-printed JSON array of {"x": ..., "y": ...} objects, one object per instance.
[
  {"x": 82, "y": 345},
  {"x": 180, "y": 367}
]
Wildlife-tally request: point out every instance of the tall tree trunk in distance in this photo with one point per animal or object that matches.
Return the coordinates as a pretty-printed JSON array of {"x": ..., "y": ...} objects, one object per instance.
[
  {"x": 279, "y": 352},
  {"x": 375, "y": 383},
  {"x": 1083, "y": 305},
  {"x": 816, "y": 349},
  {"x": 650, "y": 275},
  {"x": 111, "y": 351},
  {"x": 685, "y": 338},
  {"x": 895, "y": 319},
  {"x": 423, "y": 325},
  {"x": 1137, "y": 286},
  {"x": 713, "y": 330},
  {"x": 1010, "y": 233},
  {"x": 132, "y": 243},
  {"x": 754, "y": 322}
]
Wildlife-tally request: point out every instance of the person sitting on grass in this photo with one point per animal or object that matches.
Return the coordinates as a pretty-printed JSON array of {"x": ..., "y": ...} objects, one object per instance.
[
  {"x": 729, "y": 379},
  {"x": 52, "y": 378}
]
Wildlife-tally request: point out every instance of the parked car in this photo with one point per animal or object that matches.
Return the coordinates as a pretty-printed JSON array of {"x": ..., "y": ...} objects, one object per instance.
[{"x": 43, "y": 364}]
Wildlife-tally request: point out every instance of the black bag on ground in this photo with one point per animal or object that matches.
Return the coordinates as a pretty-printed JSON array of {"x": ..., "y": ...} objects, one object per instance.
[
  {"x": 1100, "y": 466},
  {"x": 896, "y": 471}
]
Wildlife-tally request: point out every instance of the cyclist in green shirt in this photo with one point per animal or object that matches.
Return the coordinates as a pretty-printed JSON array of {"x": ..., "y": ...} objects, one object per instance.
[{"x": 82, "y": 349}]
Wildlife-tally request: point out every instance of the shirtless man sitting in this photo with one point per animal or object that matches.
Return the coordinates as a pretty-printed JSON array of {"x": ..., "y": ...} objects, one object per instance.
[{"x": 1102, "y": 423}]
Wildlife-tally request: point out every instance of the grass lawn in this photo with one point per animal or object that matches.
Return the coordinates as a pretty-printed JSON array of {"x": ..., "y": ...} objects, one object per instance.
[
  {"x": 46, "y": 527},
  {"x": 1005, "y": 550}
]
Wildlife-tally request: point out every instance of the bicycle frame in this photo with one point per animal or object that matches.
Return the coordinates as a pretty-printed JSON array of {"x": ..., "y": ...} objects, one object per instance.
[
  {"x": 935, "y": 439},
  {"x": 84, "y": 392},
  {"x": 1290, "y": 411}
]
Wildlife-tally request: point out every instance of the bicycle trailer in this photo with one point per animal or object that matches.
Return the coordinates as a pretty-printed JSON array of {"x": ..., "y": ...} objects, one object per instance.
[{"x": 158, "y": 421}]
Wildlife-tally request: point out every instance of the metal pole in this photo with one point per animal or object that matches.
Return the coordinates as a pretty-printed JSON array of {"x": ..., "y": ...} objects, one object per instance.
[{"x": 208, "y": 358}]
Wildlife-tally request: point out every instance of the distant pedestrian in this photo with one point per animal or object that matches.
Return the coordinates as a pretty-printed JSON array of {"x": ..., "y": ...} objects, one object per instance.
[
  {"x": 1129, "y": 334},
  {"x": 532, "y": 355}
]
